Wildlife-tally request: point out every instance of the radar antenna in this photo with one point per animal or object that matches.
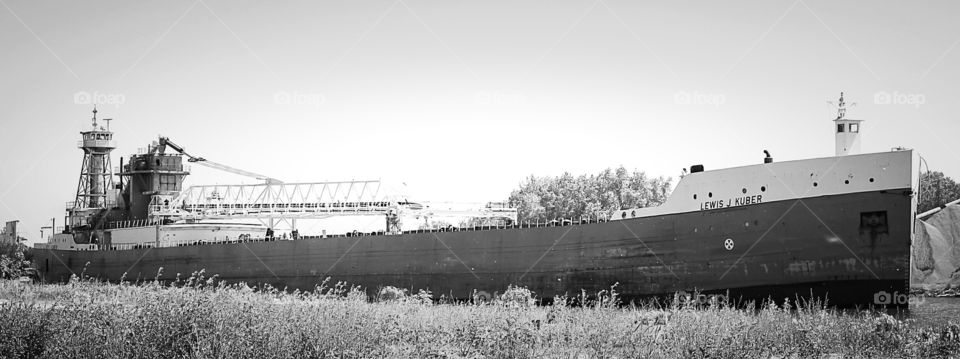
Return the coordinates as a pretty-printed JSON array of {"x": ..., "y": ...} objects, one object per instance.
[{"x": 842, "y": 106}]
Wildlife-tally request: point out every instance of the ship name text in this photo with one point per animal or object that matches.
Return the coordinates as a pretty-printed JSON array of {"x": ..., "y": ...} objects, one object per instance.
[{"x": 732, "y": 202}]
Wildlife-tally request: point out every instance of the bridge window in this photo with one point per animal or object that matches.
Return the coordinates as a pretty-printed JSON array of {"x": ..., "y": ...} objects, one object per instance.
[
  {"x": 854, "y": 127},
  {"x": 168, "y": 182},
  {"x": 840, "y": 128}
]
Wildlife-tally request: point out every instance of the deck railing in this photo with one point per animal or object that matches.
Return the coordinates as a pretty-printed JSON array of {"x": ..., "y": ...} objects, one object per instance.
[
  {"x": 519, "y": 225},
  {"x": 132, "y": 224}
]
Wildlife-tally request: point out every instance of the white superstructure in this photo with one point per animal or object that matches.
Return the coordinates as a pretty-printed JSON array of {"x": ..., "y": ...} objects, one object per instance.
[{"x": 847, "y": 172}]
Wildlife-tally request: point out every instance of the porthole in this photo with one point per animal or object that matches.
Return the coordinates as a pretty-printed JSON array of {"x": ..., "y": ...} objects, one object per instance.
[
  {"x": 633, "y": 213},
  {"x": 623, "y": 215},
  {"x": 744, "y": 191},
  {"x": 746, "y": 224},
  {"x": 694, "y": 196},
  {"x": 814, "y": 184},
  {"x": 710, "y": 194},
  {"x": 871, "y": 179},
  {"x": 763, "y": 188},
  {"x": 846, "y": 181}
]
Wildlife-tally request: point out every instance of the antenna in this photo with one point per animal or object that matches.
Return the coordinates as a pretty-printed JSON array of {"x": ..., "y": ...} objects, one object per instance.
[
  {"x": 94, "y": 120},
  {"x": 842, "y": 106},
  {"x": 846, "y": 131},
  {"x": 108, "y": 122}
]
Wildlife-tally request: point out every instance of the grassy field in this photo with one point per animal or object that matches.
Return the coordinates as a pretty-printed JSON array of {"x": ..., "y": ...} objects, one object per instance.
[{"x": 197, "y": 318}]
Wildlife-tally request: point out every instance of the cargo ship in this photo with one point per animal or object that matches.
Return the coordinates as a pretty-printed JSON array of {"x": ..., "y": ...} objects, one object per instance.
[{"x": 837, "y": 228}]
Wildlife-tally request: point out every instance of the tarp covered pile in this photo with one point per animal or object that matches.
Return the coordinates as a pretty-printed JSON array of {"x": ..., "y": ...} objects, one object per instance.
[{"x": 936, "y": 251}]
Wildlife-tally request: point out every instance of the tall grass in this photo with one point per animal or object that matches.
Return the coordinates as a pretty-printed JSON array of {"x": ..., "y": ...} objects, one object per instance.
[{"x": 201, "y": 318}]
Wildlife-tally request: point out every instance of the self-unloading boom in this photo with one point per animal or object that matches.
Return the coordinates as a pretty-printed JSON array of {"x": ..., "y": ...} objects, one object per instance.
[
  {"x": 165, "y": 142},
  {"x": 275, "y": 200}
]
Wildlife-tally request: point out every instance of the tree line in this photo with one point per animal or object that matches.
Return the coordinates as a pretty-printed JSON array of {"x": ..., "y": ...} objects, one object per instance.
[
  {"x": 936, "y": 190},
  {"x": 546, "y": 198}
]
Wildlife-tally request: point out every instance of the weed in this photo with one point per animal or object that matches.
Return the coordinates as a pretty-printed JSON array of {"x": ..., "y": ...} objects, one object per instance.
[{"x": 206, "y": 318}]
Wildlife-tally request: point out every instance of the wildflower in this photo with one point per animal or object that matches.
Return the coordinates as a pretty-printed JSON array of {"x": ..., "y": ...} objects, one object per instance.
[
  {"x": 552, "y": 316},
  {"x": 517, "y": 296},
  {"x": 388, "y": 294},
  {"x": 656, "y": 318},
  {"x": 885, "y": 323},
  {"x": 951, "y": 333}
]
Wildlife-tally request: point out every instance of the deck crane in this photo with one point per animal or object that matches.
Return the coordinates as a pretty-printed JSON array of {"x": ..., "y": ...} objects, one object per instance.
[{"x": 165, "y": 142}]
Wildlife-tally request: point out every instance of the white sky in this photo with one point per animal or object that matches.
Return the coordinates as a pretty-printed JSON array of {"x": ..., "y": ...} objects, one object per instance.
[{"x": 461, "y": 100}]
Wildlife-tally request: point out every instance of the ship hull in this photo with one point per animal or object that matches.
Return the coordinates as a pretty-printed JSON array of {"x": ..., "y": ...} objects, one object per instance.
[{"x": 851, "y": 249}]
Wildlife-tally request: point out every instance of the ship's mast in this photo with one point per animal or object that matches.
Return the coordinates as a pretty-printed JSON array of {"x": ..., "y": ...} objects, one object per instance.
[
  {"x": 95, "y": 186},
  {"x": 847, "y": 131},
  {"x": 841, "y": 107}
]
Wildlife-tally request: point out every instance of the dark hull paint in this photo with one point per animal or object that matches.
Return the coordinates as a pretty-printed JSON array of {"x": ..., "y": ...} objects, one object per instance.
[{"x": 781, "y": 249}]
